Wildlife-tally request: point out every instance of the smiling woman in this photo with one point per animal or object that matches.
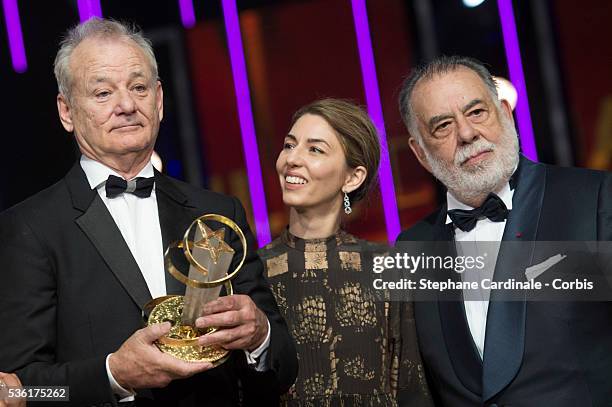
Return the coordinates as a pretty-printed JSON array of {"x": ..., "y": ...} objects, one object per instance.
[
  {"x": 350, "y": 346},
  {"x": 329, "y": 156}
]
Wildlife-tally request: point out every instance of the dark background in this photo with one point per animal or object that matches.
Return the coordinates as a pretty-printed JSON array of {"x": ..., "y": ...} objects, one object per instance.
[{"x": 297, "y": 51}]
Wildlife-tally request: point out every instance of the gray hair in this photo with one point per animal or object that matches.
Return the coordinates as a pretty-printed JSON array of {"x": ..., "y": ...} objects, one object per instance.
[
  {"x": 436, "y": 67},
  {"x": 101, "y": 28}
]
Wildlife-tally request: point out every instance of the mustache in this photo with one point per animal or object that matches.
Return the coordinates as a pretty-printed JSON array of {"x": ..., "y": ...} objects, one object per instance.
[{"x": 468, "y": 151}]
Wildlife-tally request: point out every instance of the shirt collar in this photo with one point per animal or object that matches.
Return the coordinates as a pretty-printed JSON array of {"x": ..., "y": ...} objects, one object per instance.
[
  {"x": 453, "y": 203},
  {"x": 97, "y": 173}
]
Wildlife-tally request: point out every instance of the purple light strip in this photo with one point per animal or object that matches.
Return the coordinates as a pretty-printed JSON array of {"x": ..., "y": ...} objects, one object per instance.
[
  {"x": 187, "y": 14},
  {"x": 515, "y": 67},
  {"x": 88, "y": 9},
  {"x": 247, "y": 127},
  {"x": 370, "y": 82},
  {"x": 15, "y": 38}
]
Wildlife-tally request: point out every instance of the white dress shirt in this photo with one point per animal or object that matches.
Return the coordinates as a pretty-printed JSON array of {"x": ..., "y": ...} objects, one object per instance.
[
  {"x": 474, "y": 243},
  {"x": 138, "y": 221}
]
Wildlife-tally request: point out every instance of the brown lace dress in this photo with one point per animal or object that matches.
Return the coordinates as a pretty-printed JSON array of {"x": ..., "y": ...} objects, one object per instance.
[{"x": 352, "y": 349}]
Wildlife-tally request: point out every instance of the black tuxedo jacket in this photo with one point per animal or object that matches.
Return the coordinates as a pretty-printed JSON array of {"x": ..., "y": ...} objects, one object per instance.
[
  {"x": 71, "y": 293},
  {"x": 536, "y": 353}
]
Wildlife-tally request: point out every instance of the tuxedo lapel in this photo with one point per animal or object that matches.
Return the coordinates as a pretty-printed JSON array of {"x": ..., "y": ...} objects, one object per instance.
[
  {"x": 175, "y": 216},
  {"x": 524, "y": 218},
  {"x": 457, "y": 337},
  {"x": 98, "y": 225},
  {"x": 505, "y": 332}
]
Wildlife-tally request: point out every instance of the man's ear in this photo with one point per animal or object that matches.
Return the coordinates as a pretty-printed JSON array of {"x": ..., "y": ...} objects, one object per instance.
[
  {"x": 160, "y": 100},
  {"x": 506, "y": 110},
  {"x": 417, "y": 149},
  {"x": 65, "y": 113},
  {"x": 354, "y": 180}
]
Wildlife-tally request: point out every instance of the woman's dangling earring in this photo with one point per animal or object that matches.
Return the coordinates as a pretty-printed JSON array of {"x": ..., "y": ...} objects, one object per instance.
[{"x": 347, "y": 204}]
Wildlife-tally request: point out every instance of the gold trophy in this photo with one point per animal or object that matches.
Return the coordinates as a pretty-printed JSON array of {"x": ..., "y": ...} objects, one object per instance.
[{"x": 209, "y": 260}]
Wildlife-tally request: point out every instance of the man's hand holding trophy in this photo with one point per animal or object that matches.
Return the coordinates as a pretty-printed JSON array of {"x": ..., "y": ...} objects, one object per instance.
[{"x": 195, "y": 332}]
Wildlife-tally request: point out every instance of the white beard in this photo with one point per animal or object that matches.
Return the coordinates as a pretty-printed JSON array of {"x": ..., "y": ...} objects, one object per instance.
[{"x": 477, "y": 181}]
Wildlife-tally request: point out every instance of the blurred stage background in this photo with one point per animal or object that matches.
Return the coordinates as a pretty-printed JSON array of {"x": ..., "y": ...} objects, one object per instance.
[{"x": 234, "y": 72}]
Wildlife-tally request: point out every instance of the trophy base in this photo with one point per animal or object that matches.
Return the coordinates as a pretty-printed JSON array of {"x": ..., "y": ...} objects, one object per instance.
[
  {"x": 196, "y": 353},
  {"x": 182, "y": 340}
]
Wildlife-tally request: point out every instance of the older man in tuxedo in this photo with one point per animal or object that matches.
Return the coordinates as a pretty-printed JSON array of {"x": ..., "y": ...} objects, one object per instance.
[
  {"x": 81, "y": 258},
  {"x": 495, "y": 352}
]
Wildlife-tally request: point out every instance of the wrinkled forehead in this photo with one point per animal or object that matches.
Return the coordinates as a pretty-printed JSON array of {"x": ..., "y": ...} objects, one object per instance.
[
  {"x": 442, "y": 92},
  {"x": 97, "y": 53}
]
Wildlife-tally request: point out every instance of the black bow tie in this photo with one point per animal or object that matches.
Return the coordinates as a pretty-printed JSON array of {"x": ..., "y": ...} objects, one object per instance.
[
  {"x": 141, "y": 187},
  {"x": 493, "y": 208}
]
